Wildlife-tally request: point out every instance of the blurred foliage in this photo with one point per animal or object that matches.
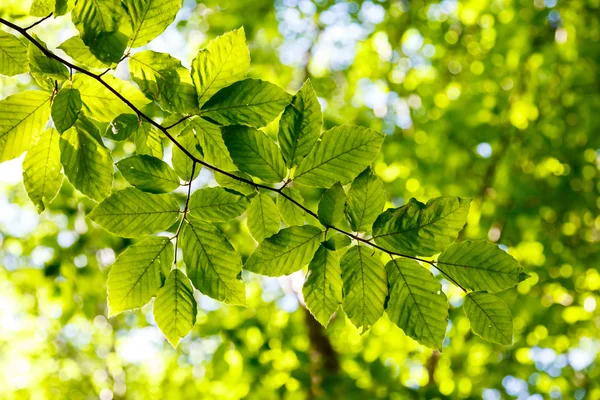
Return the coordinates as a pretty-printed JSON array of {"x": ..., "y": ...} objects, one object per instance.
[{"x": 491, "y": 99}]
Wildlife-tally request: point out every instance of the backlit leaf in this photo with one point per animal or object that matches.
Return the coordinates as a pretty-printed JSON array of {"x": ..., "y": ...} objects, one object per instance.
[
  {"x": 365, "y": 201},
  {"x": 290, "y": 212},
  {"x": 65, "y": 108},
  {"x": 234, "y": 184},
  {"x": 211, "y": 141},
  {"x": 13, "y": 55},
  {"x": 182, "y": 164},
  {"x": 322, "y": 289},
  {"x": 332, "y": 205},
  {"x": 149, "y": 174},
  {"x": 80, "y": 52},
  {"x": 217, "y": 204},
  {"x": 490, "y": 317},
  {"x": 40, "y": 64},
  {"x": 150, "y": 18},
  {"x": 263, "y": 217}
]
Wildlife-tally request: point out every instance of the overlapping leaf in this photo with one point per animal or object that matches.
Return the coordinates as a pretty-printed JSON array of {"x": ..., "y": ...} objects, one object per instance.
[
  {"x": 224, "y": 61},
  {"x": 300, "y": 125},
  {"x": 482, "y": 266},
  {"x": 149, "y": 174},
  {"x": 100, "y": 103},
  {"x": 122, "y": 127},
  {"x": 138, "y": 273},
  {"x": 332, "y": 205},
  {"x": 211, "y": 141},
  {"x": 182, "y": 164},
  {"x": 217, "y": 204},
  {"x": 285, "y": 252},
  {"x": 235, "y": 184},
  {"x": 262, "y": 218},
  {"x": 80, "y": 52},
  {"x": 490, "y": 317},
  {"x": 150, "y": 18},
  {"x": 342, "y": 153},
  {"x": 322, "y": 289},
  {"x": 337, "y": 241},
  {"x": 165, "y": 80},
  {"x": 65, "y": 108},
  {"x": 290, "y": 212},
  {"x": 23, "y": 117},
  {"x": 148, "y": 140},
  {"x": 42, "y": 174},
  {"x": 131, "y": 213},
  {"x": 86, "y": 161},
  {"x": 212, "y": 264},
  {"x": 421, "y": 229},
  {"x": 254, "y": 153},
  {"x": 365, "y": 286},
  {"x": 417, "y": 304},
  {"x": 175, "y": 307},
  {"x": 40, "y": 64},
  {"x": 250, "y": 102},
  {"x": 365, "y": 201}
]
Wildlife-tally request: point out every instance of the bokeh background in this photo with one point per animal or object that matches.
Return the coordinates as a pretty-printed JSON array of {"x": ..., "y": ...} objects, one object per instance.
[{"x": 497, "y": 100}]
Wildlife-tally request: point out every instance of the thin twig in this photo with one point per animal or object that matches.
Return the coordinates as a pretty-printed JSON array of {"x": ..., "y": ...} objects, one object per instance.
[
  {"x": 38, "y": 22},
  {"x": 165, "y": 131},
  {"x": 178, "y": 122},
  {"x": 185, "y": 210}
]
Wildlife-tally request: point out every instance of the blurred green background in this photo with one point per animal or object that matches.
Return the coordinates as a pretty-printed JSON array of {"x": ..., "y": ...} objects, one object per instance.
[{"x": 497, "y": 100}]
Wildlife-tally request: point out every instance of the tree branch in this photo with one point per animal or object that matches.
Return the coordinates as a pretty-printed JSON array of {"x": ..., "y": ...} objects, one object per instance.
[{"x": 164, "y": 130}]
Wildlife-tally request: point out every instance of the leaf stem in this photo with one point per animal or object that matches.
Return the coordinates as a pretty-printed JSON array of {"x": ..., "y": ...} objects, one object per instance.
[
  {"x": 185, "y": 210},
  {"x": 164, "y": 130}
]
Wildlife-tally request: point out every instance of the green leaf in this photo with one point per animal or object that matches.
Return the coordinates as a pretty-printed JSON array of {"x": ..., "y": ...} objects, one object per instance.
[
  {"x": 101, "y": 104},
  {"x": 165, "y": 80},
  {"x": 342, "y": 153},
  {"x": 285, "y": 252},
  {"x": 482, "y": 266},
  {"x": 23, "y": 117},
  {"x": 254, "y": 153},
  {"x": 365, "y": 286},
  {"x": 234, "y": 184},
  {"x": 332, "y": 205},
  {"x": 217, "y": 204},
  {"x": 421, "y": 229},
  {"x": 175, "y": 307},
  {"x": 122, "y": 127},
  {"x": 211, "y": 141},
  {"x": 138, "y": 274},
  {"x": 262, "y": 218},
  {"x": 42, "y": 174},
  {"x": 41, "y": 8},
  {"x": 86, "y": 161},
  {"x": 65, "y": 108},
  {"x": 182, "y": 164},
  {"x": 149, "y": 174},
  {"x": 290, "y": 212},
  {"x": 104, "y": 26},
  {"x": 212, "y": 264},
  {"x": 366, "y": 199},
  {"x": 300, "y": 125},
  {"x": 79, "y": 52},
  {"x": 150, "y": 18},
  {"x": 13, "y": 55},
  {"x": 40, "y": 64},
  {"x": 148, "y": 140},
  {"x": 337, "y": 241},
  {"x": 250, "y": 102},
  {"x": 417, "y": 304},
  {"x": 322, "y": 289},
  {"x": 224, "y": 61},
  {"x": 132, "y": 213},
  {"x": 490, "y": 317}
]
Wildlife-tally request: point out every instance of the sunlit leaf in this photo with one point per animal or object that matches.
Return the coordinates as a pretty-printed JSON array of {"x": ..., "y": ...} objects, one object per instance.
[
  {"x": 79, "y": 52},
  {"x": 254, "y": 153},
  {"x": 13, "y": 55},
  {"x": 234, "y": 184},
  {"x": 365, "y": 201},
  {"x": 300, "y": 125},
  {"x": 131, "y": 213},
  {"x": 138, "y": 274},
  {"x": 225, "y": 60},
  {"x": 337, "y": 241},
  {"x": 342, "y": 153},
  {"x": 250, "y": 102},
  {"x": 182, "y": 164},
  {"x": 482, "y": 266},
  {"x": 290, "y": 212},
  {"x": 322, "y": 289},
  {"x": 285, "y": 252},
  {"x": 213, "y": 146},
  {"x": 42, "y": 176},
  {"x": 217, "y": 204},
  {"x": 22, "y": 119},
  {"x": 122, "y": 127},
  {"x": 417, "y": 304},
  {"x": 150, "y": 18},
  {"x": 149, "y": 174},
  {"x": 421, "y": 229},
  {"x": 365, "y": 286},
  {"x": 490, "y": 317},
  {"x": 263, "y": 217},
  {"x": 65, "y": 108},
  {"x": 175, "y": 307},
  {"x": 213, "y": 265},
  {"x": 40, "y": 64},
  {"x": 332, "y": 205}
]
